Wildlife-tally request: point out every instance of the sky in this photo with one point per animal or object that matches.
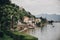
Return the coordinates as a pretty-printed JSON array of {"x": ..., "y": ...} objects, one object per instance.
[{"x": 37, "y": 7}]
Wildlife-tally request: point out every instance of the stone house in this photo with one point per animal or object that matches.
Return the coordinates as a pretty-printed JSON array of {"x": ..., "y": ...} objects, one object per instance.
[
  {"x": 37, "y": 20},
  {"x": 29, "y": 21}
]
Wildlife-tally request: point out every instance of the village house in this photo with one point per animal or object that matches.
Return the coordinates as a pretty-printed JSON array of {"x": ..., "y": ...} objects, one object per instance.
[
  {"x": 26, "y": 19},
  {"x": 29, "y": 21},
  {"x": 37, "y": 20}
]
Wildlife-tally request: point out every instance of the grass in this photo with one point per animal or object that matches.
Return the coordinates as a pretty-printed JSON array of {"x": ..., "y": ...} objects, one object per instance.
[
  {"x": 5, "y": 37},
  {"x": 26, "y": 36},
  {"x": 17, "y": 36}
]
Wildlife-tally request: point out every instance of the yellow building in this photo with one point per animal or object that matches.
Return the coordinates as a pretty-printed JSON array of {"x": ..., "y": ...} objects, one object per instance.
[
  {"x": 26, "y": 19},
  {"x": 37, "y": 20}
]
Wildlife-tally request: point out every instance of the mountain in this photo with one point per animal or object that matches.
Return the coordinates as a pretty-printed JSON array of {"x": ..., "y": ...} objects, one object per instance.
[{"x": 53, "y": 17}]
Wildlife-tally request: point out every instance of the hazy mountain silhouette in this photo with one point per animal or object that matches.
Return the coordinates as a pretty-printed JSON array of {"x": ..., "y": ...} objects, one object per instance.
[{"x": 50, "y": 16}]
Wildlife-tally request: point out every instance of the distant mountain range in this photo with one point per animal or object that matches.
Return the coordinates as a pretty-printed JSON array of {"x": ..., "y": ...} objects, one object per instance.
[{"x": 50, "y": 16}]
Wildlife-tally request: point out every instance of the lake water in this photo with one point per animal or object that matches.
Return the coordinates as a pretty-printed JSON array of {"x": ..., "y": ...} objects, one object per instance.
[{"x": 49, "y": 32}]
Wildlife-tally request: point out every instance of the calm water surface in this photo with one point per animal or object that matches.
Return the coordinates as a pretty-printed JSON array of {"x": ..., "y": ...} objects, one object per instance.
[{"x": 49, "y": 32}]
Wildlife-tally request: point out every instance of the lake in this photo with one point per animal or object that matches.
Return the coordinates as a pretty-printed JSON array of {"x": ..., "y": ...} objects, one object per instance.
[{"x": 49, "y": 32}]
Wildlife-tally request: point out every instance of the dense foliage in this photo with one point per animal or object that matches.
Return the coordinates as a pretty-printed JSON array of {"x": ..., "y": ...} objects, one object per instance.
[
  {"x": 7, "y": 13},
  {"x": 23, "y": 13},
  {"x": 9, "y": 16}
]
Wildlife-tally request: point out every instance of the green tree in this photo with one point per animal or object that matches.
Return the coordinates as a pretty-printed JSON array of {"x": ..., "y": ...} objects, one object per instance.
[{"x": 9, "y": 14}]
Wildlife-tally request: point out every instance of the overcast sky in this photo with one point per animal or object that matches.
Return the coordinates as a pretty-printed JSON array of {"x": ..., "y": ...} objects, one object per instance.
[{"x": 40, "y": 6}]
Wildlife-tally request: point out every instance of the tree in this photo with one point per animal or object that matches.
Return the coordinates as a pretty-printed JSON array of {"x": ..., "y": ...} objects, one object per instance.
[
  {"x": 7, "y": 10},
  {"x": 43, "y": 20},
  {"x": 10, "y": 14}
]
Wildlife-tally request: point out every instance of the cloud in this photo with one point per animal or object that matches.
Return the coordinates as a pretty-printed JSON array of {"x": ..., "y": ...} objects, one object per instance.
[{"x": 40, "y": 6}]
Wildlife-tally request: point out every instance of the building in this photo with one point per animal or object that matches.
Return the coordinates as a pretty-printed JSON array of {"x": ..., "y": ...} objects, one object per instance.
[
  {"x": 26, "y": 19},
  {"x": 37, "y": 20},
  {"x": 29, "y": 21}
]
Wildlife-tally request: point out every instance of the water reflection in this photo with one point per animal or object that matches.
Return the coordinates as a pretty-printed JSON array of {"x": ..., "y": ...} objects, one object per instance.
[{"x": 49, "y": 32}]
